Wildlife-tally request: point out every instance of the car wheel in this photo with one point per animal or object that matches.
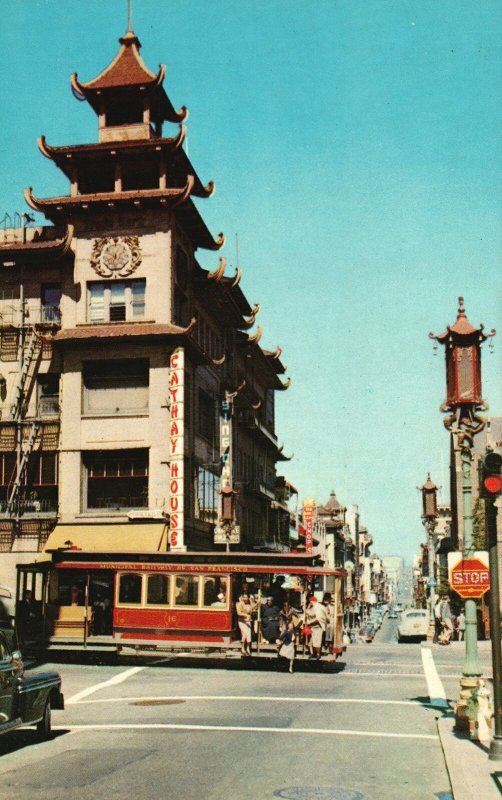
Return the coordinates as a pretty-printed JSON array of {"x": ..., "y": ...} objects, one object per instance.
[{"x": 44, "y": 727}]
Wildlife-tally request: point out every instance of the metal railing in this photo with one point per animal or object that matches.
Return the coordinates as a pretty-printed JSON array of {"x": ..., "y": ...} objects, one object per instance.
[
  {"x": 31, "y": 506},
  {"x": 34, "y": 314},
  {"x": 118, "y": 503}
]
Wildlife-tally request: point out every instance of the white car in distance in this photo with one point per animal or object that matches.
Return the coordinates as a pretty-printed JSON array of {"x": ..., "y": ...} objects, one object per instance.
[{"x": 414, "y": 624}]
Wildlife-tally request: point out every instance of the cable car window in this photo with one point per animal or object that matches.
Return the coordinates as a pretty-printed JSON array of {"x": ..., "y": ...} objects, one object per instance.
[
  {"x": 157, "y": 590},
  {"x": 186, "y": 590},
  {"x": 215, "y": 592},
  {"x": 130, "y": 589}
]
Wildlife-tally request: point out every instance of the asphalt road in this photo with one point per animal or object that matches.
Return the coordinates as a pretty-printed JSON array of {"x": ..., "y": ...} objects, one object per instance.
[{"x": 366, "y": 731}]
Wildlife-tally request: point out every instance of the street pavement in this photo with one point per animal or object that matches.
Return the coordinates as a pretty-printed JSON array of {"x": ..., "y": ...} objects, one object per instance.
[{"x": 184, "y": 731}]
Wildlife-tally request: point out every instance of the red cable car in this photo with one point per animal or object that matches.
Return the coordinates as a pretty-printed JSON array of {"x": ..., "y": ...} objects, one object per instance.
[{"x": 170, "y": 602}]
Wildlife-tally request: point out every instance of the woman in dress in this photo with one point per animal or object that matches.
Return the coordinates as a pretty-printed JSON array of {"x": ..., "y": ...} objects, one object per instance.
[{"x": 287, "y": 645}]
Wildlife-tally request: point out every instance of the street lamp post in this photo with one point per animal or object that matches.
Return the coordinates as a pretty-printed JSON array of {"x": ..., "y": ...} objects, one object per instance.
[
  {"x": 462, "y": 343},
  {"x": 429, "y": 519}
]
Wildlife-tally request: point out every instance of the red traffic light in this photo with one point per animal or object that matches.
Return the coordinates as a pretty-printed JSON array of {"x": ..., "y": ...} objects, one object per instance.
[
  {"x": 493, "y": 484},
  {"x": 492, "y": 474}
]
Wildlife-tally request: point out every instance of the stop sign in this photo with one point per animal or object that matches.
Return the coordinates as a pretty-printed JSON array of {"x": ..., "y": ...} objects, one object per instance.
[{"x": 470, "y": 577}]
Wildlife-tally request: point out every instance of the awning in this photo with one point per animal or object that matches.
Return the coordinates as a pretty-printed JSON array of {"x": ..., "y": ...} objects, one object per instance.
[{"x": 127, "y": 537}]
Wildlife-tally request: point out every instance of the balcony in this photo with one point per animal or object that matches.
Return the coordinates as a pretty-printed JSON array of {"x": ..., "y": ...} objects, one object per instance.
[
  {"x": 32, "y": 508},
  {"x": 258, "y": 486},
  {"x": 124, "y": 503},
  {"x": 34, "y": 314}
]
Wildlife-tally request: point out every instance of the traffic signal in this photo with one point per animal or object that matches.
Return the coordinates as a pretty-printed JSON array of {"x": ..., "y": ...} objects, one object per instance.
[{"x": 491, "y": 475}]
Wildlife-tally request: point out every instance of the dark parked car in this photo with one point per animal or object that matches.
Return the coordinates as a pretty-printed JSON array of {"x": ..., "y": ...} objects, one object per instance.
[
  {"x": 26, "y": 700},
  {"x": 367, "y": 632}
]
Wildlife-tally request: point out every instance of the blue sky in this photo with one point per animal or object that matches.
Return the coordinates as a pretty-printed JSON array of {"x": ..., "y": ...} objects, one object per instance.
[{"x": 355, "y": 147}]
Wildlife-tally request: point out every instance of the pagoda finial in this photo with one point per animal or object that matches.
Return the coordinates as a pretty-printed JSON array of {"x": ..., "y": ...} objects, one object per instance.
[
  {"x": 461, "y": 307},
  {"x": 129, "y": 15}
]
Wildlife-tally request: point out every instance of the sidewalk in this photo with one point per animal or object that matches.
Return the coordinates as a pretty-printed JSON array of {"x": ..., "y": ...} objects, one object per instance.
[{"x": 472, "y": 775}]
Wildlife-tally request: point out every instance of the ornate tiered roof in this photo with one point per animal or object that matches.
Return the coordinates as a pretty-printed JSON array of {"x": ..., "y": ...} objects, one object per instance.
[
  {"x": 132, "y": 166},
  {"x": 462, "y": 327},
  {"x": 127, "y": 72}
]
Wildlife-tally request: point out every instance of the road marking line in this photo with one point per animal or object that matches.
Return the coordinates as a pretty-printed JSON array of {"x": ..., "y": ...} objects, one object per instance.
[
  {"x": 244, "y": 729},
  {"x": 259, "y": 698},
  {"x": 120, "y": 678},
  {"x": 437, "y": 694}
]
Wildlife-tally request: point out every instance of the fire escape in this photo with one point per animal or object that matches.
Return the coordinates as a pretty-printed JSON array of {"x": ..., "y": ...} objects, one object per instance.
[{"x": 22, "y": 515}]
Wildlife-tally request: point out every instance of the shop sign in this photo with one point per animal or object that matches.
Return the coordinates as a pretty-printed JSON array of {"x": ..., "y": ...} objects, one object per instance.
[
  {"x": 176, "y": 449},
  {"x": 226, "y": 531},
  {"x": 309, "y": 513}
]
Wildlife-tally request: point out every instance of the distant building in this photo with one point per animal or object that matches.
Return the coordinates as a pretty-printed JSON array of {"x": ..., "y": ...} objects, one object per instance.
[{"x": 394, "y": 570}]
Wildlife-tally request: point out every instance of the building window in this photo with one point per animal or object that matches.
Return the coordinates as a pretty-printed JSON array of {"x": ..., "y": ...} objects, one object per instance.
[
  {"x": 116, "y": 479},
  {"x": 207, "y": 416},
  {"x": 39, "y": 484},
  {"x": 206, "y": 495},
  {"x": 115, "y": 386},
  {"x": 116, "y": 301},
  {"x": 48, "y": 395},
  {"x": 51, "y": 301}
]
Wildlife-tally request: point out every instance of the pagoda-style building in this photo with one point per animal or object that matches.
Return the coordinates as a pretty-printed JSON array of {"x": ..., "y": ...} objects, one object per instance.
[{"x": 123, "y": 359}]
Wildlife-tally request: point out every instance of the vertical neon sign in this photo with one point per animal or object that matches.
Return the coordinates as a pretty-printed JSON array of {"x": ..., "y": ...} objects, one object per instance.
[{"x": 176, "y": 448}]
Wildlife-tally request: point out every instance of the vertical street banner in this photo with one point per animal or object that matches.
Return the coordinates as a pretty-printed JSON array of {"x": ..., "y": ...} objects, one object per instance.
[
  {"x": 309, "y": 513},
  {"x": 226, "y": 531},
  {"x": 226, "y": 442},
  {"x": 176, "y": 448}
]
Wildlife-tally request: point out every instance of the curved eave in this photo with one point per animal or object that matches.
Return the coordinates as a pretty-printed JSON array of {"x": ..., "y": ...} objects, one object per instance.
[
  {"x": 462, "y": 328},
  {"x": 195, "y": 228},
  {"x": 56, "y": 206},
  {"x": 267, "y": 366},
  {"x": 66, "y": 153},
  {"x": 217, "y": 294},
  {"x": 132, "y": 332},
  {"x": 162, "y": 107},
  {"x": 462, "y": 332},
  {"x": 56, "y": 247}
]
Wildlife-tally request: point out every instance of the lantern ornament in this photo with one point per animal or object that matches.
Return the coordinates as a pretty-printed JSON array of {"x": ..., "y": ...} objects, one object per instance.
[
  {"x": 429, "y": 500},
  {"x": 228, "y": 511},
  {"x": 462, "y": 343}
]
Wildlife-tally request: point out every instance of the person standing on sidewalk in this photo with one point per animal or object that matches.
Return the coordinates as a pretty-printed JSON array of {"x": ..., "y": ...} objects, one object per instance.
[
  {"x": 446, "y": 622},
  {"x": 437, "y": 621},
  {"x": 461, "y": 625}
]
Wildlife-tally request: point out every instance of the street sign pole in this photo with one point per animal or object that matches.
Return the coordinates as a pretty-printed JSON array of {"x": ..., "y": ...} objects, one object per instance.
[{"x": 491, "y": 540}]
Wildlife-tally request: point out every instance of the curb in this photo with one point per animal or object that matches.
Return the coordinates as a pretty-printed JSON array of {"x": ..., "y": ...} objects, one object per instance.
[{"x": 472, "y": 775}]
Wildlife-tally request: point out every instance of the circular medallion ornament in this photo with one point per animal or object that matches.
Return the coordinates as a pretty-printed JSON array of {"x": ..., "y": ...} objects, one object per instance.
[{"x": 116, "y": 256}]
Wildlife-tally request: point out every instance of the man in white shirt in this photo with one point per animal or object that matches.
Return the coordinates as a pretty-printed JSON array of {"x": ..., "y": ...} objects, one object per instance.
[{"x": 317, "y": 619}]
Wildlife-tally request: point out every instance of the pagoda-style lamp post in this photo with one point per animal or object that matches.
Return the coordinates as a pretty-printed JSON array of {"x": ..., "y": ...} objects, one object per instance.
[
  {"x": 462, "y": 343},
  {"x": 429, "y": 519}
]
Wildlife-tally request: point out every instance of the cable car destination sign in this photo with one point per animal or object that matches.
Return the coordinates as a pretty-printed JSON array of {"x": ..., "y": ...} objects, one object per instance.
[{"x": 469, "y": 577}]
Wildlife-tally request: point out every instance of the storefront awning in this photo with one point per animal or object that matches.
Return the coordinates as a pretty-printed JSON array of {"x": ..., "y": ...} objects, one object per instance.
[{"x": 128, "y": 537}]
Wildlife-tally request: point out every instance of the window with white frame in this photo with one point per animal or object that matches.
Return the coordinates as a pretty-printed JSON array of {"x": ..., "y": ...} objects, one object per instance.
[{"x": 116, "y": 301}]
